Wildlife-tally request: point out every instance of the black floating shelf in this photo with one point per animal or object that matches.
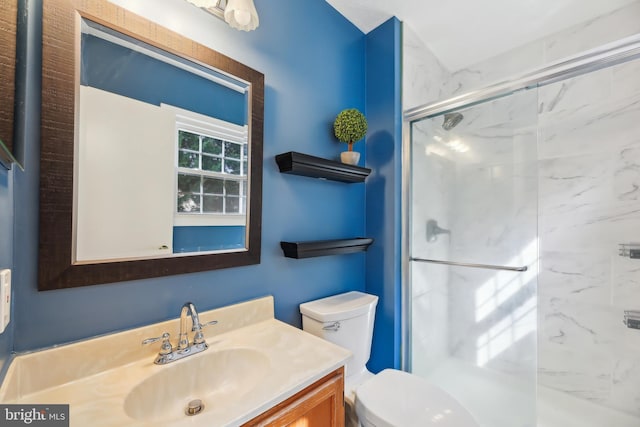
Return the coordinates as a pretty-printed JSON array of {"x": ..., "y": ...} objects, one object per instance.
[
  {"x": 324, "y": 247},
  {"x": 317, "y": 167}
]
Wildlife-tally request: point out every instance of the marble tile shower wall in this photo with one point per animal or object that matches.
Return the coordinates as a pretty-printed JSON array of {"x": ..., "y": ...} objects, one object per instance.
[
  {"x": 424, "y": 78},
  {"x": 589, "y": 175}
]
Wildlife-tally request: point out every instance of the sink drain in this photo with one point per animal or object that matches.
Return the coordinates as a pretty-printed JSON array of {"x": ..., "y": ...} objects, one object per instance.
[{"x": 194, "y": 407}]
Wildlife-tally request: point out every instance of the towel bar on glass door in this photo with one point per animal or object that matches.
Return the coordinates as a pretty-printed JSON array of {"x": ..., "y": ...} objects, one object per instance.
[{"x": 465, "y": 264}]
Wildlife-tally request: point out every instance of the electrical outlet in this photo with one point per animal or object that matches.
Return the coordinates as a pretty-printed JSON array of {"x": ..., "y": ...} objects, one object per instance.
[{"x": 5, "y": 299}]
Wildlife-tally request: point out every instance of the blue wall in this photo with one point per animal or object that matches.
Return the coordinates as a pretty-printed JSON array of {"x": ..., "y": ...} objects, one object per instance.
[
  {"x": 384, "y": 189},
  {"x": 6, "y": 251},
  {"x": 212, "y": 238},
  {"x": 8, "y": 218},
  {"x": 122, "y": 71},
  {"x": 314, "y": 66}
]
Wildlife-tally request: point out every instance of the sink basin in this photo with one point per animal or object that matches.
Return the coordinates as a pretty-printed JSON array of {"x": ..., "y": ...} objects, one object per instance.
[{"x": 217, "y": 378}]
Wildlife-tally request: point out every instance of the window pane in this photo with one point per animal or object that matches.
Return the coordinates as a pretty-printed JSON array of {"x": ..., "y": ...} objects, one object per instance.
[
  {"x": 244, "y": 204},
  {"x": 213, "y": 204},
  {"x": 189, "y": 141},
  {"x": 203, "y": 194},
  {"x": 188, "y": 183},
  {"x": 213, "y": 186},
  {"x": 211, "y": 146},
  {"x": 232, "y": 167},
  {"x": 188, "y": 160},
  {"x": 213, "y": 164},
  {"x": 231, "y": 150},
  {"x": 232, "y": 188},
  {"x": 233, "y": 205},
  {"x": 188, "y": 202}
]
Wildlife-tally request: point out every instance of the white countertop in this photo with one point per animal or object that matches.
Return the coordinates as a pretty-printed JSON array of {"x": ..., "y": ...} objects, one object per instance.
[{"x": 295, "y": 359}]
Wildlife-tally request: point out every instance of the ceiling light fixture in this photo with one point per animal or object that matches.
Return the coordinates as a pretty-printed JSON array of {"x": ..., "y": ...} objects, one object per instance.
[{"x": 239, "y": 14}]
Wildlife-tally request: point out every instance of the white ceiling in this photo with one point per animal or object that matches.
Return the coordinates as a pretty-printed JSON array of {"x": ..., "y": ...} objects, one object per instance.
[{"x": 464, "y": 32}]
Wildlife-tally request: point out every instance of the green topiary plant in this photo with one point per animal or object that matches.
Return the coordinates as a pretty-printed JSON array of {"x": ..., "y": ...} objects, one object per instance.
[{"x": 350, "y": 126}]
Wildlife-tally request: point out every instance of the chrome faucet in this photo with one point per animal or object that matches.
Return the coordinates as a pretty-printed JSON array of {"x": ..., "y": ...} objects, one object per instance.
[
  {"x": 167, "y": 354},
  {"x": 183, "y": 339}
]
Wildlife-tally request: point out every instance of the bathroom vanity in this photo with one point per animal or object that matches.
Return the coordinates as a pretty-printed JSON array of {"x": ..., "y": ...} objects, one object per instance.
[
  {"x": 319, "y": 405},
  {"x": 257, "y": 371}
]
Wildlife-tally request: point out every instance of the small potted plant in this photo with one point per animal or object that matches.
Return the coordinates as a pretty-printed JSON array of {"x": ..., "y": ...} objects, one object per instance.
[{"x": 350, "y": 126}]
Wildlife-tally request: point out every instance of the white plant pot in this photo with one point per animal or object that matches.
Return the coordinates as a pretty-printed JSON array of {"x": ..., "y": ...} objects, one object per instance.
[{"x": 350, "y": 157}]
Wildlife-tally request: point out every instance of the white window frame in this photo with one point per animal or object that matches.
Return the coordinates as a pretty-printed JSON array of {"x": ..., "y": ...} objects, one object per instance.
[{"x": 219, "y": 129}]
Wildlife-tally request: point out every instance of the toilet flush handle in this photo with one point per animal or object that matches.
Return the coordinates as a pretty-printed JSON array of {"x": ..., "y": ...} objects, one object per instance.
[{"x": 334, "y": 326}]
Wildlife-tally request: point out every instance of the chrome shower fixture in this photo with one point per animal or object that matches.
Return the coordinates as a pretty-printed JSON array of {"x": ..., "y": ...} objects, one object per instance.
[
  {"x": 632, "y": 319},
  {"x": 451, "y": 120},
  {"x": 433, "y": 230}
]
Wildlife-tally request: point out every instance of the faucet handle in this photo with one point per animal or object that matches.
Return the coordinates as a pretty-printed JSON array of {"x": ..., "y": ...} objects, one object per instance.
[
  {"x": 165, "y": 348},
  {"x": 198, "y": 337},
  {"x": 213, "y": 322},
  {"x": 198, "y": 326}
]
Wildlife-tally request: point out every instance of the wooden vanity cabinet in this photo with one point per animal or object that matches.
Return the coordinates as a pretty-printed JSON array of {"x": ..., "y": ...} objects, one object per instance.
[{"x": 319, "y": 405}]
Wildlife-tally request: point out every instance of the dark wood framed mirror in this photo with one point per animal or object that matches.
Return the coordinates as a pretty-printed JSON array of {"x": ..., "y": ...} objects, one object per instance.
[
  {"x": 8, "y": 30},
  {"x": 213, "y": 172}
]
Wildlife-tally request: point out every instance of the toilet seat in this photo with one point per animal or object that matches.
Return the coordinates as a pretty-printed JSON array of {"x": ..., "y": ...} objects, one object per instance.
[{"x": 394, "y": 398}]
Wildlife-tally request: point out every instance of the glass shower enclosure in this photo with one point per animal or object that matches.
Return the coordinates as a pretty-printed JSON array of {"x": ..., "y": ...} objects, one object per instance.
[
  {"x": 523, "y": 206},
  {"x": 474, "y": 253}
]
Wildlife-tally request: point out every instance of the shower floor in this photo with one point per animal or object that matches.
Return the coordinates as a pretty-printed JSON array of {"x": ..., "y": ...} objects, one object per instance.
[{"x": 478, "y": 390}]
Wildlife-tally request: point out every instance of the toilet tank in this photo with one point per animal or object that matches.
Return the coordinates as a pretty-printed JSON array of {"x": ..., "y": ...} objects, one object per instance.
[{"x": 345, "y": 320}]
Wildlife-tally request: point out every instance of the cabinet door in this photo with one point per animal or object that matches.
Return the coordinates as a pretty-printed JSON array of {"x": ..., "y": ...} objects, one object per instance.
[{"x": 319, "y": 405}]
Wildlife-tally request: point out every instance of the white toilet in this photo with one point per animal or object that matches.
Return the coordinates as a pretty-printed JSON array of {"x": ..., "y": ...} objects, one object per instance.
[{"x": 391, "y": 398}]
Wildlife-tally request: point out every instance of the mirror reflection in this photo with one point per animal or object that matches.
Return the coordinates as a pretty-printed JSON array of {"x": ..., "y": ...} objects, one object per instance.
[
  {"x": 10, "y": 152},
  {"x": 162, "y": 153},
  {"x": 177, "y": 128}
]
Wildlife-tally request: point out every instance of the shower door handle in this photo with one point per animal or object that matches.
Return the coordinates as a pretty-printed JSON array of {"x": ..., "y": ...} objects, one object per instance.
[{"x": 466, "y": 264}]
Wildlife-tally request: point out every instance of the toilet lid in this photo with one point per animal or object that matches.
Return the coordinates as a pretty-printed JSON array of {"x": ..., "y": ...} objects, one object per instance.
[{"x": 394, "y": 398}]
